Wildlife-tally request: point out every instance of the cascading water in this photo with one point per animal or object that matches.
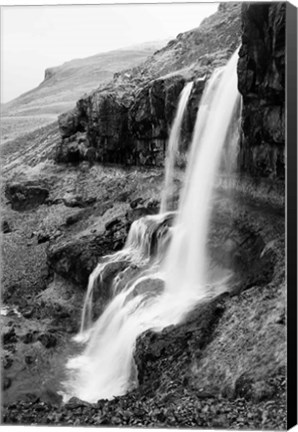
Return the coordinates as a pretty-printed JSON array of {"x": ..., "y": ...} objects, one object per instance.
[
  {"x": 168, "y": 287},
  {"x": 136, "y": 250},
  {"x": 173, "y": 146}
]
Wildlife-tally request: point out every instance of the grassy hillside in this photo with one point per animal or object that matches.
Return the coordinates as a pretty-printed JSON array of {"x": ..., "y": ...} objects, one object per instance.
[{"x": 63, "y": 85}]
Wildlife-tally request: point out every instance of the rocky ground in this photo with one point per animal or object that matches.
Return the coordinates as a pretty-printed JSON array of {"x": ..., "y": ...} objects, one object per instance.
[
  {"x": 85, "y": 211},
  {"x": 223, "y": 367}
]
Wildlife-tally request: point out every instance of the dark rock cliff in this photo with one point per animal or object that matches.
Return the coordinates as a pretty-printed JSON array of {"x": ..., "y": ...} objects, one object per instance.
[
  {"x": 128, "y": 121},
  {"x": 261, "y": 75}
]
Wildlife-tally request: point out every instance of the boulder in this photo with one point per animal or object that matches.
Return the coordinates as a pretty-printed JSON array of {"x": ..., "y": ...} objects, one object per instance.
[
  {"x": 162, "y": 357},
  {"x": 69, "y": 123},
  {"x": 72, "y": 200},
  {"x": 9, "y": 336},
  {"x": 26, "y": 195},
  {"x": 112, "y": 224},
  {"x": 48, "y": 340},
  {"x": 136, "y": 202},
  {"x": 71, "y": 220},
  {"x": 43, "y": 237},
  {"x": 5, "y": 227},
  {"x": 51, "y": 397},
  {"x": 75, "y": 402},
  {"x": 7, "y": 361}
]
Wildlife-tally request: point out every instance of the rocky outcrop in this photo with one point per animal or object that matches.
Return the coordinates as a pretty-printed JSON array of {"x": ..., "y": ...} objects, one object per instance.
[
  {"x": 49, "y": 73},
  {"x": 75, "y": 258},
  {"x": 111, "y": 127},
  {"x": 128, "y": 121},
  {"x": 261, "y": 78}
]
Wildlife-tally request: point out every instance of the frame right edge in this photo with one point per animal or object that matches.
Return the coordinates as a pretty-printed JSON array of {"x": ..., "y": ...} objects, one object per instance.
[{"x": 291, "y": 211}]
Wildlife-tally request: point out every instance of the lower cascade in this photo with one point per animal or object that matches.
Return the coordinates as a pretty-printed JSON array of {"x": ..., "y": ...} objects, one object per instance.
[{"x": 170, "y": 264}]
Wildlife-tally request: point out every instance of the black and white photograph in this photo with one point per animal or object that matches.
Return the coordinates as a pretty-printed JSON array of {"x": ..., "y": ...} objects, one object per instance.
[{"x": 148, "y": 215}]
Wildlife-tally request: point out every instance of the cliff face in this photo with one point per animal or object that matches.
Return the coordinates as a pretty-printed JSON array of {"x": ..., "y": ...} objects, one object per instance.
[
  {"x": 128, "y": 121},
  {"x": 261, "y": 75}
]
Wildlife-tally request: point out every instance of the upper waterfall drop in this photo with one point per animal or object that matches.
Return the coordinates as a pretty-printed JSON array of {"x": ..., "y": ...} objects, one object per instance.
[
  {"x": 162, "y": 292},
  {"x": 186, "y": 261},
  {"x": 173, "y": 146}
]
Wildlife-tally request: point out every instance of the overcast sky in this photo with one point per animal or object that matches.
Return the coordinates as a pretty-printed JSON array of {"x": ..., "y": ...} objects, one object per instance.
[{"x": 36, "y": 37}]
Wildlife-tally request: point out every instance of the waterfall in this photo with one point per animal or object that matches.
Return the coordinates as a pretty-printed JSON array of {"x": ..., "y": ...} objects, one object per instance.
[
  {"x": 171, "y": 276},
  {"x": 173, "y": 147},
  {"x": 186, "y": 260}
]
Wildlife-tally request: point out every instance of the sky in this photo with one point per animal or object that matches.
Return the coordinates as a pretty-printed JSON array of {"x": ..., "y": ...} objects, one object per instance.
[{"x": 36, "y": 37}]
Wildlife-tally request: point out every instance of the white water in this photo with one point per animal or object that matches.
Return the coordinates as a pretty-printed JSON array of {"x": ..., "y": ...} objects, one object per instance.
[
  {"x": 173, "y": 147},
  {"x": 165, "y": 291}
]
